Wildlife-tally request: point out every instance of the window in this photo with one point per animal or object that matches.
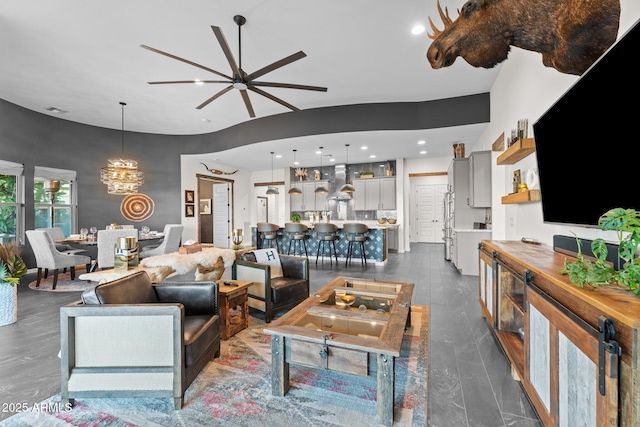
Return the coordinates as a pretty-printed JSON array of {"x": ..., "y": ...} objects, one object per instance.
[
  {"x": 54, "y": 198},
  {"x": 11, "y": 207}
]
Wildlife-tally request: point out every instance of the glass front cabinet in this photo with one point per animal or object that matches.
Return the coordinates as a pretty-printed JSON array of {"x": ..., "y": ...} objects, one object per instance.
[{"x": 568, "y": 366}]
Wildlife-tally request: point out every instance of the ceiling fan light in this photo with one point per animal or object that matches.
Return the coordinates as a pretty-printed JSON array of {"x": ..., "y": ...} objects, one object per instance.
[{"x": 240, "y": 85}]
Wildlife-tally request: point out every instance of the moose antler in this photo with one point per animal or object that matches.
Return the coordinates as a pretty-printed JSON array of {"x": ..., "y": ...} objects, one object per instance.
[{"x": 446, "y": 19}]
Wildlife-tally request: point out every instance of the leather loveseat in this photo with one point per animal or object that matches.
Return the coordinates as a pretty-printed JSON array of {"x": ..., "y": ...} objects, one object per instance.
[{"x": 132, "y": 338}]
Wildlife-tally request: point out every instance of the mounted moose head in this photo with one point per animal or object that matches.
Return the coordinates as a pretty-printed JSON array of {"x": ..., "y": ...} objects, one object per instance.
[{"x": 570, "y": 34}]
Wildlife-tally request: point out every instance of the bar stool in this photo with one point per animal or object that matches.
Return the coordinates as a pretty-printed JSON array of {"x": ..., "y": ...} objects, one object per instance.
[
  {"x": 355, "y": 233},
  {"x": 297, "y": 234},
  {"x": 327, "y": 233},
  {"x": 268, "y": 235}
]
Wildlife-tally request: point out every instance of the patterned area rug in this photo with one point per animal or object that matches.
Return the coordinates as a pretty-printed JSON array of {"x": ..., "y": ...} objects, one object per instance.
[
  {"x": 65, "y": 284},
  {"x": 235, "y": 390}
]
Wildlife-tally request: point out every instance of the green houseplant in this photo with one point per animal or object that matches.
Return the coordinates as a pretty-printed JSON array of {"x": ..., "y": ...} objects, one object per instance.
[
  {"x": 12, "y": 268},
  {"x": 596, "y": 271},
  {"x": 295, "y": 217}
]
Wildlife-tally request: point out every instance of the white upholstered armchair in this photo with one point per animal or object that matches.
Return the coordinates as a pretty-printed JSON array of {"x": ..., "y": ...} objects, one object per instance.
[{"x": 49, "y": 258}]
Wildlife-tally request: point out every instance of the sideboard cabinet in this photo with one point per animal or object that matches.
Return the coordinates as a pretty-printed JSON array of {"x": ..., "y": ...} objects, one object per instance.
[{"x": 576, "y": 351}]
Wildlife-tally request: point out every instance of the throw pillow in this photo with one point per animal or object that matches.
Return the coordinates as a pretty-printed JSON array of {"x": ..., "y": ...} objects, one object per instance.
[
  {"x": 210, "y": 274},
  {"x": 270, "y": 256}
]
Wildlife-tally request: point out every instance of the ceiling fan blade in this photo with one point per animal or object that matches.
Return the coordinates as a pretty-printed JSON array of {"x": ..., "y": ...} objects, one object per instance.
[
  {"x": 171, "y": 82},
  {"x": 273, "y": 98},
  {"x": 247, "y": 103},
  {"x": 289, "y": 86},
  {"x": 227, "y": 51},
  {"x": 278, "y": 64},
  {"x": 186, "y": 61},
  {"x": 217, "y": 95}
]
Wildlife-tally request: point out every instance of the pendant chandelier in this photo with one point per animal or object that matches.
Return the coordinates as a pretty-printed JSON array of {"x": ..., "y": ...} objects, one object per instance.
[
  {"x": 272, "y": 189},
  {"x": 347, "y": 188},
  {"x": 295, "y": 190},
  {"x": 322, "y": 189},
  {"x": 121, "y": 174}
]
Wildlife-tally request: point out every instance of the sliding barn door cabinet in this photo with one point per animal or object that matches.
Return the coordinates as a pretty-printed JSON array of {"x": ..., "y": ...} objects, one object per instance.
[{"x": 576, "y": 351}]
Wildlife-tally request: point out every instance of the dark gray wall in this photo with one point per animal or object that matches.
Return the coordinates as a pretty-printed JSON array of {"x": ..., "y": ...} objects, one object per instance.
[{"x": 37, "y": 139}]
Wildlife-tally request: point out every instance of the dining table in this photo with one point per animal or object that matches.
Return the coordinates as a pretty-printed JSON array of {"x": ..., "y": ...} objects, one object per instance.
[{"x": 90, "y": 244}]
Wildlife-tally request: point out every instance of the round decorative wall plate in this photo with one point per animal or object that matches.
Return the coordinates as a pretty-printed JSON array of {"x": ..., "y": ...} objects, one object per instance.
[{"x": 136, "y": 207}]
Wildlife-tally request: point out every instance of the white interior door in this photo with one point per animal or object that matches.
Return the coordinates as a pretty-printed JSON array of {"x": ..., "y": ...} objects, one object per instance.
[
  {"x": 221, "y": 215},
  {"x": 427, "y": 213}
]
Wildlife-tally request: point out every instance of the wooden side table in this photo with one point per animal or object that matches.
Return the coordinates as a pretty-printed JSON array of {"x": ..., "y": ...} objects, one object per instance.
[{"x": 230, "y": 297}]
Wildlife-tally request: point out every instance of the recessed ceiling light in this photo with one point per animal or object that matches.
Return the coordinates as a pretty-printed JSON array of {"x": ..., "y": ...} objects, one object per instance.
[
  {"x": 422, "y": 142},
  {"x": 364, "y": 147},
  {"x": 373, "y": 156},
  {"x": 417, "y": 30},
  {"x": 205, "y": 120},
  {"x": 423, "y": 152},
  {"x": 278, "y": 156}
]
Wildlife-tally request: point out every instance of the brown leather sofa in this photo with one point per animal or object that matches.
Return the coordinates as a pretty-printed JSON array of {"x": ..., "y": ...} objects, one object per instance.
[
  {"x": 273, "y": 295},
  {"x": 151, "y": 340}
]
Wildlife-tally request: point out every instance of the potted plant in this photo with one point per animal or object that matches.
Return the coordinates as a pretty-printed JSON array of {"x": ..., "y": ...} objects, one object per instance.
[
  {"x": 295, "y": 217},
  {"x": 597, "y": 272},
  {"x": 12, "y": 268},
  {"x": 366, "y": 174}
]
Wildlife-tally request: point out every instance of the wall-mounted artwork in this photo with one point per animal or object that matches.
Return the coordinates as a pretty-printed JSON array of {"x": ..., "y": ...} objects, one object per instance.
[
  {"x": 570, "y": 34},
  {"x": 189, "y": 196},
  {"x": 205, "y": 206},
  {"x": 189, "y": 210}
]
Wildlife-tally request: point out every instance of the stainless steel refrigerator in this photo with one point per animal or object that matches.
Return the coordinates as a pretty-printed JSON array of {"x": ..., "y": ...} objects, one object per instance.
[{"x": 448, "y": 207}]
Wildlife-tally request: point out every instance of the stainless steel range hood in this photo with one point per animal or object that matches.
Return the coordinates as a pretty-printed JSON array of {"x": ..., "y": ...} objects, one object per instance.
[{"x": 341, "y": 179}]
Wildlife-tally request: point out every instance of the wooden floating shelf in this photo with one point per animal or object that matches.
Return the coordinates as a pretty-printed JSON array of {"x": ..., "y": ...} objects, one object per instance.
[
  {"x": 521, "y": 197},
  {"x": 518, "y": 151}
]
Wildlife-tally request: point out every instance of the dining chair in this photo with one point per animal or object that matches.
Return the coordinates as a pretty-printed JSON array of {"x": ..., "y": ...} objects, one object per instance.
[
  {"x": 49, "y": 258},
  {"x": 56, "y": 234},
  {"x": 170, "y": 243},
  {"x": 356, "y": 234},
  {"x": 107, "y": 240}
]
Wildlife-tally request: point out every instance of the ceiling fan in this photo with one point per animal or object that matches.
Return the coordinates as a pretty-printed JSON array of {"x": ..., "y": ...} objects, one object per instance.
[{"x": 240, "y": 80}]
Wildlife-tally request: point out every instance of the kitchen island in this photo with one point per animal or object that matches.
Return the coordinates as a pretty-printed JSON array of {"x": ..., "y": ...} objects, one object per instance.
[{"x": 375, "y": 248}]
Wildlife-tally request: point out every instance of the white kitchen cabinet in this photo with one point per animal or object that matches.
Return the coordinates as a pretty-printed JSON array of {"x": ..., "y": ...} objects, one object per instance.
[
  {"x": 479, "y": 179},
  {"x": 466, "y": 249},
  {"x": 374, "y": 193},
  {"x": 309, "y": 200}
]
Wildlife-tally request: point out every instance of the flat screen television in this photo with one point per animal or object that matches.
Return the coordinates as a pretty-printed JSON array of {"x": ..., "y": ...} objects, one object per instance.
[{"x": 588, "y": 142}]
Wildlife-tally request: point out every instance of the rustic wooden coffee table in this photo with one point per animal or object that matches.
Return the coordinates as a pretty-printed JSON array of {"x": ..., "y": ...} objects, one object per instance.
[
  {"x": 361, "y": 336},
  {"x": 229, "y": 298}
]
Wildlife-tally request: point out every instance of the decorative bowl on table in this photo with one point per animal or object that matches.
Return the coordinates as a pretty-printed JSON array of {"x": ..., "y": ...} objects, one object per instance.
[
  {"x": 382, "y": 220},
  {"x": 391, "y": 220},
  {"x": 347, "y": 300}
]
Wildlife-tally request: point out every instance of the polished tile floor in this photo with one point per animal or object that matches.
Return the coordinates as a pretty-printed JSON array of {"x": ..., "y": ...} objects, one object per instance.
[{"x": 469, "y": 377}]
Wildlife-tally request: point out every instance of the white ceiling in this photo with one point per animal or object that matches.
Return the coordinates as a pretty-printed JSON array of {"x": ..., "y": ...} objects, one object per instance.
[{"x": 85, "y": 57}]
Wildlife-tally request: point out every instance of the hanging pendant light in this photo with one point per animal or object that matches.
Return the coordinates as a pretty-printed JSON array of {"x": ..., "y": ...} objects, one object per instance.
[
  {"x": 272, "y": 189},
  {"x": 347, "y": 188},
  {"x": 295, "y": 190},
  {"x": 122, "y": 175},
  {"x": 322, "y": 189}
]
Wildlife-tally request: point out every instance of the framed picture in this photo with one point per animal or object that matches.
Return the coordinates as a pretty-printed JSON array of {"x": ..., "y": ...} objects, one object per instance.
[
  {"x": 189, "y": 210},
  {"x": 189, "y": 196},
  {"x": 205, "y": 206}
]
